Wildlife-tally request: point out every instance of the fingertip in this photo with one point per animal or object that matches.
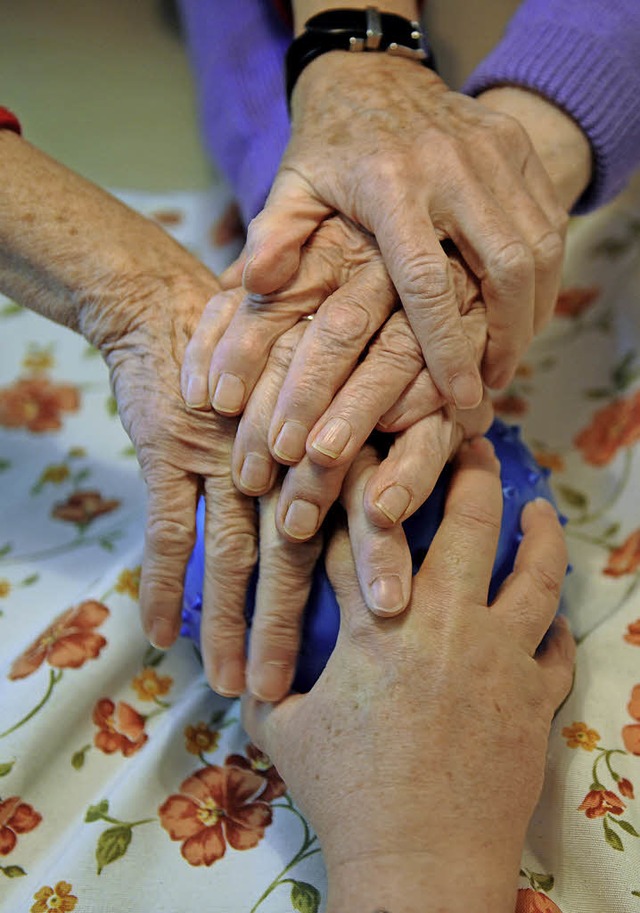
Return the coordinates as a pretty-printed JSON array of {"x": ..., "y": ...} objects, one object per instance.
[
  {"x": 466, "y": 389},
  {"x": 162, "y": 633},
  {"x": 195, "y": 390},
  {"x": 228, "y": 679},
  {"x": 479, "y": 449},
  {"x": 387, "y": 595},
  {"x": 229, "y": 394},
  {"x": 270, "y": 680},
  {"x": 539, "y": 509}
]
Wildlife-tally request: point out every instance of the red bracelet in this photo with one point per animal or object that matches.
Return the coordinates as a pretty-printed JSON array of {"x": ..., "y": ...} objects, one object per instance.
[{"x": 8, "y": 121}]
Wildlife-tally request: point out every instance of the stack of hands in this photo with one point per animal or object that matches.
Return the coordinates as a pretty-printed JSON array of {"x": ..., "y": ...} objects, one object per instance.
[{"x": 427, "y": 247}]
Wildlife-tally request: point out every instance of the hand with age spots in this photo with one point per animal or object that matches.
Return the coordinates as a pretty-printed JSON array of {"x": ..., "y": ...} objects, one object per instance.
[{"x": 418, "y": 756}]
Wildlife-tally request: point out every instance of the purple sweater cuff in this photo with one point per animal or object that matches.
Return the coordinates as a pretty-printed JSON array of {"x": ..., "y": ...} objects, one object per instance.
[{"x": 593, "y": 77}]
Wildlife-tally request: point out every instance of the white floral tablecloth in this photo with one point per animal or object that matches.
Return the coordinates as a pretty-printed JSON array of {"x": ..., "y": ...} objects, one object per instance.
[{"x": 126, "y": 785}]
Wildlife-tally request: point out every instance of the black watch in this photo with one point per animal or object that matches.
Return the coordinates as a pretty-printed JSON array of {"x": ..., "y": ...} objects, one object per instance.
[{"x": 356, "y": 30}]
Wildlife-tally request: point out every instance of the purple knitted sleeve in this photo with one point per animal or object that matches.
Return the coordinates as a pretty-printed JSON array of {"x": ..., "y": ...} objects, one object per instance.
[
  {"x": 584, "y": 55},
  {"x": 237, "y": 50}
]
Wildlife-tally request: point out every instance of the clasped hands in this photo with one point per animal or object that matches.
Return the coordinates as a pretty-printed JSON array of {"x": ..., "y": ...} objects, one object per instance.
[{"x": 471, "y": 249}]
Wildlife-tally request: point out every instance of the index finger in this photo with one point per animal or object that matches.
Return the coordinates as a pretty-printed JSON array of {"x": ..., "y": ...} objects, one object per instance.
[{"x": 423, "y": 278}]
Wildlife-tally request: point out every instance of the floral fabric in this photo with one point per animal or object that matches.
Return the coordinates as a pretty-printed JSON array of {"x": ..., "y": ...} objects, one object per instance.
[{"x": 125, "y": 783}]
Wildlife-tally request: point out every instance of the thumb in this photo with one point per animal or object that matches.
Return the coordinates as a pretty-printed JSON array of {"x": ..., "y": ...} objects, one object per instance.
[
  {"x": 231, "y": 277},
  {"x": 276, "y": 236},
  {"x": 267, "y": 724}
]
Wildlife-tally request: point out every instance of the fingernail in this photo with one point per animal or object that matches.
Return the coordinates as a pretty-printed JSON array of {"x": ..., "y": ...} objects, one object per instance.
[
  {"x": 229, "y": 394},
  {"x": 162, "y": 634},
  {"x": 394, "y": 501},
  {"x": 387, "y": 594},
  {"x": 466, "y": 390},
  {"x": 230, "y": 680},
  {"x": 197, "y": 392},
  {"x": 255, "y": 474},
  {"x": 301, "y": 519},
  {"x": 271, "y": 681},
  {"x": 333, "y": 438},
  {"x": 545, "y": 506},
  {"x": 290, "y": 443}
]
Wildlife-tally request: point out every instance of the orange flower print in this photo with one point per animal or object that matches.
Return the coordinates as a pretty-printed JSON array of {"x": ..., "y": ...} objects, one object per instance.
[
  {"x": 631, "y": 738},
  {"x": 217, "y": 806},
  {"x": 550, "y": 460},
  {"x": 38, "y": 361},
  {"x": 510, "y": 404},
  {"x": 631, "y": 733},
  {"x": 58, "y": 899},
  {"x": 16, "y": 817},
  {"x": 530, "y": 901},
  {"x": 599, "y": 802},
  {"x": 633, "y": 633},
  {"x": 169, "y": 218},
  {"x": 35, "y": 403},
  {"x": 578, "y": 735},
  {"x": 5, "y": 587},
  {"x": 148, "y": 685},
  {"x": 83, "y": 507},
  {"x": 626, "y": 788},
  {"x": 572, "y": 302},
  {"x": 129, "y": 582},
  {"x": 67, "y": 643},
  {"x": 612, "y": 427},
  {"x": 120, "y": 728},
  {"x": 626, "y": 558},
  {"x": 260, "y": 764},
  {"x": 200, "y": 738}
]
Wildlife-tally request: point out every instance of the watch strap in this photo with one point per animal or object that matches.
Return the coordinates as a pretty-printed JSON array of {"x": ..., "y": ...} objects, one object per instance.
[{"x": 355, "y": 30}]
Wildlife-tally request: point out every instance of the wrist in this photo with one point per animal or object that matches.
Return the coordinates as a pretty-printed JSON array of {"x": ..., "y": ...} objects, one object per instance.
[
  {"x": 421, "y": 883},
  {"x": 559, "y": 142},
  {"x": 339, "y": 81}
]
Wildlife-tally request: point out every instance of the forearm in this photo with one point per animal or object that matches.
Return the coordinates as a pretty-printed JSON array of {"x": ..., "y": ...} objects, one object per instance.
[{"x": 72, "y": 252}]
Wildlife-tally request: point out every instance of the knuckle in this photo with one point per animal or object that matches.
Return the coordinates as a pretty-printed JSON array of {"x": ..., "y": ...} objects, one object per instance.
[
  {"x": 280, "y": 626},
  {"x": 513, "y": 259},
  {"x": 548, "y": 251},
  {"x": 426, "y": 276},
  {"x": 345, "y": 319},
  {"x": 545, "y": 583},
  {"x": 169, "y": 538},
  {"x": 474, "y": 517},
  {"x": 232, "y": 550},
  {"x": 396, "y": 341}
]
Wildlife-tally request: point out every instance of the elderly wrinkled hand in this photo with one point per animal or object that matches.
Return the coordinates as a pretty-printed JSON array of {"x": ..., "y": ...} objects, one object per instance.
[{"x": 386, "y": 143}]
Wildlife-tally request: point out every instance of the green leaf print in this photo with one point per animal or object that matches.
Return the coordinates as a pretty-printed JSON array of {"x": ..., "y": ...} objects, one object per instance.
[
  {"x": 304, "y": 897},
  {"x": 611, "y": 837},
  {"x": 112, "y": 845}
]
